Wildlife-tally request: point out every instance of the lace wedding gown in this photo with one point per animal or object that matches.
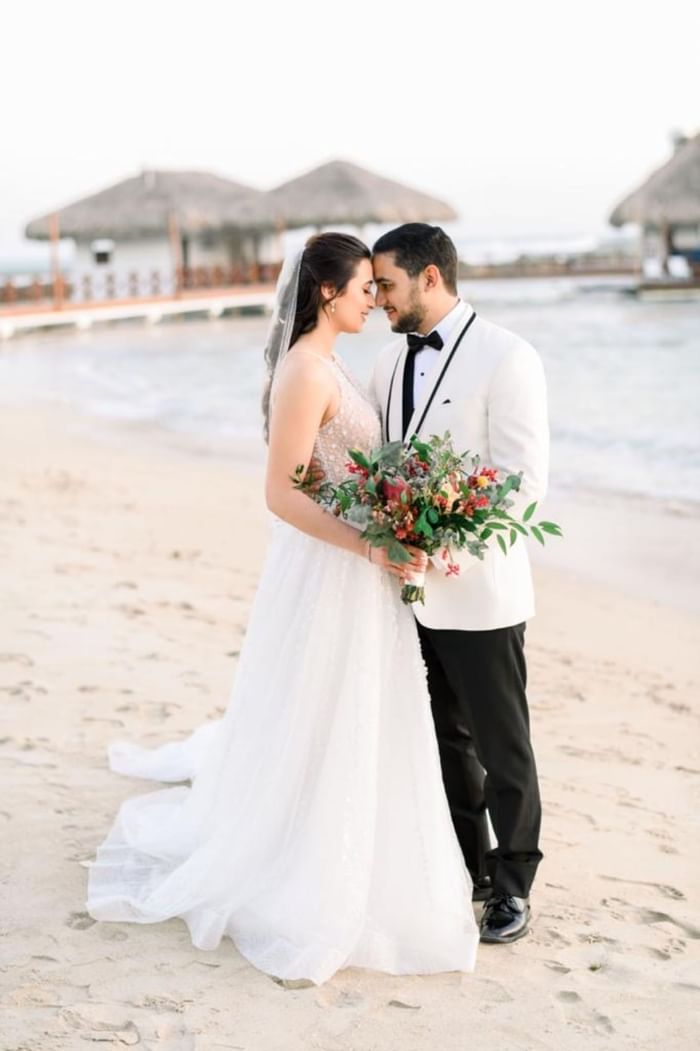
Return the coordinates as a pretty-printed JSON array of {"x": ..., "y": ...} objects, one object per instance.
[{"x": 315, "y": 830}]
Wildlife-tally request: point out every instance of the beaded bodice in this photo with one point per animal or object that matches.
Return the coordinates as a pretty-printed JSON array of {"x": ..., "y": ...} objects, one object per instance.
[{"x": 356, "y": 425}]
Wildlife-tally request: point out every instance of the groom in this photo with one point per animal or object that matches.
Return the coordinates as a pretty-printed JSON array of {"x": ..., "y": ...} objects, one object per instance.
[{"x": 450, "y": 370}]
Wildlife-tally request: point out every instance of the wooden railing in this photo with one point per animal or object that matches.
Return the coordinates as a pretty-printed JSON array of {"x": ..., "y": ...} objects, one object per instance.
[{"x": 98, "y": 286}]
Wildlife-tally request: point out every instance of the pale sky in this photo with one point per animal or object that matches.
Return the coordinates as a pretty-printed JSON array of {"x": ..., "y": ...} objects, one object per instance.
[{"x": 529, "y": 117}]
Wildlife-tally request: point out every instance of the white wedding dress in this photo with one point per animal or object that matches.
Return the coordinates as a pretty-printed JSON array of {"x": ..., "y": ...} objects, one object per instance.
[{"x": 315, "y": 831}]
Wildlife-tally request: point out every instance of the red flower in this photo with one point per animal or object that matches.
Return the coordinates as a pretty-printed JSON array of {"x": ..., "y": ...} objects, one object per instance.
[
  {"x": 355, "y": 468},
  {"x": 393, "y": 490}
]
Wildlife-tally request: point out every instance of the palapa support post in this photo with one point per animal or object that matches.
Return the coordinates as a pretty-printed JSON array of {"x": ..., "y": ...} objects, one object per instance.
[
  {"x": 56, "y": 276},
  {"x": 176, "y": 253},
  {"x": 666, "y": 245},
  {"x": 280, "y": 227}
]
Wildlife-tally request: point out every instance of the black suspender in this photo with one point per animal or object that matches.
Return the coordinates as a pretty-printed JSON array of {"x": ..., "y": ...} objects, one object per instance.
[{"x": 435, "y": 387}]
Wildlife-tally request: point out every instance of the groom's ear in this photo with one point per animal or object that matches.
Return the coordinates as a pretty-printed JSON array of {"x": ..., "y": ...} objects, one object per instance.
[{"x": 431, "y": 276}]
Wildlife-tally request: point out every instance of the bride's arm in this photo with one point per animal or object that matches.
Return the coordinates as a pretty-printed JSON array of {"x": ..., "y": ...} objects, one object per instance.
[{"x": 304, "y": 392}]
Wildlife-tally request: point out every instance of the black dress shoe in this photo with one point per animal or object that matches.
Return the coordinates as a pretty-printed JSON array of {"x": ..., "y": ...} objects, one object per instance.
[
  {"x": 505, "y": 919},
  {"x": 482, "y": 888}
]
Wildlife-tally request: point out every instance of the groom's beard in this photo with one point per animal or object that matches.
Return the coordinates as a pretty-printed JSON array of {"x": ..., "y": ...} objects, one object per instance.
[{"x": 412, "y": 317}]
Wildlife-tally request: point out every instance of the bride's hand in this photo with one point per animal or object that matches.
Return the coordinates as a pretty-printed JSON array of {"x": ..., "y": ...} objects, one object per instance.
[
  {"x": 418, "y": 564},
  {"x": 379, "y": 556}
]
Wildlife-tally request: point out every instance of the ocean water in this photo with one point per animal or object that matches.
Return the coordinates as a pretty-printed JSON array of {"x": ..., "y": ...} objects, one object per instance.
[{"x": 623, "y": 379}]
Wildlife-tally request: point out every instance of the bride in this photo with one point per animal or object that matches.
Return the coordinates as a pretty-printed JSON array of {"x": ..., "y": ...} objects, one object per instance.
[{"x": 314, "y": 830}]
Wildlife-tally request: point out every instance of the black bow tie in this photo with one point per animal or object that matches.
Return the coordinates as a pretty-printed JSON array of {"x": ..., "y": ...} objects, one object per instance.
[{"x": 416, "y": 343}]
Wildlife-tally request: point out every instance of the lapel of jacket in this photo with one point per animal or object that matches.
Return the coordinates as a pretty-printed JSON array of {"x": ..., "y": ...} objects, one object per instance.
[
  {"x": 393, "y": 405},
  {"x": 438, "y": 369}
]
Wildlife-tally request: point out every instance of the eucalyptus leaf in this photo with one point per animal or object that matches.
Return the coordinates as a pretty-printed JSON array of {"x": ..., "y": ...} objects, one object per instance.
[
  {"x": 537, "y": 534},
  {"x": 550, "y": 527}
]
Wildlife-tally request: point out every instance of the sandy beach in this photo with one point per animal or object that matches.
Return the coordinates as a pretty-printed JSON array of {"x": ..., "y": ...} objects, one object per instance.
[{"x": 128, "y": 569}]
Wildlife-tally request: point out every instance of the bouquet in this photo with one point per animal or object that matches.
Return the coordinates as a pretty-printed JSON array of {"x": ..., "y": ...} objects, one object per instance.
[{"x": 427, "y": 496}]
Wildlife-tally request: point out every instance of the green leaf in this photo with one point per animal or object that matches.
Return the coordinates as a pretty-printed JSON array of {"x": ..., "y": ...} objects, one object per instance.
[
  {"x": 550, "y": 527},
  {"x": 521, "y": 529},
  {"x": 496, "y": 525},
  {"x": 513, "y": 537},
  {"x": 486, "y": 533},
  {"x": 397, "y": 553},
  {"x": 511, "y": 482},
  {"x": 502, "y": 544},
  {"x": 359, "y": 458},
  {"x": 422, "y": 525},
  {"x": 537, "y": 535},
  {"x": 421, "y": 448},
  {"x": 529, "y": 512}
]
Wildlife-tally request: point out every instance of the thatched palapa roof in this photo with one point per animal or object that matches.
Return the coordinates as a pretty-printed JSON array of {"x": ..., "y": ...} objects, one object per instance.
[
  {"x": 141, "y": 207},
  {"x": 337, "y": 193},
  {"x": 670, "y": 196},
  {"x": 340, "y": 193}
]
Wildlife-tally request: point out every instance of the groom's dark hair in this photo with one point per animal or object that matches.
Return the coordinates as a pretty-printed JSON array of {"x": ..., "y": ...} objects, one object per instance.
[{"x": 417, "y": 245}]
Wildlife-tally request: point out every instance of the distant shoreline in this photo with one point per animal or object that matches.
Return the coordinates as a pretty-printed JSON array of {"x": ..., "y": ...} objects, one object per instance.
[
  {"x": 638, "y": 546},
  {"x": 549, "y": 267}
]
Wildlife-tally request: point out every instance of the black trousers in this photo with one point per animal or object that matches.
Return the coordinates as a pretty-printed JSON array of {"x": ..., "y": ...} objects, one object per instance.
[{"x": 477, "y": 682}]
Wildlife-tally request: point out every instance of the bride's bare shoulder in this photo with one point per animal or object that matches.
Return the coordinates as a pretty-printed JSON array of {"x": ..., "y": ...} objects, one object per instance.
[
  {"x": 305, "y": 365},
  {"x": 303, "y": 380}
]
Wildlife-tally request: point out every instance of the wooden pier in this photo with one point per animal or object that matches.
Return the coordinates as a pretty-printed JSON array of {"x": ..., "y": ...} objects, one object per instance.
[{"x": 210, "y": 302}]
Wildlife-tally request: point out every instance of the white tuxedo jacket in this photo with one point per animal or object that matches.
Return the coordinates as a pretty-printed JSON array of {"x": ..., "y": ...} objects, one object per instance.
[{"x": 490, "y": 394}]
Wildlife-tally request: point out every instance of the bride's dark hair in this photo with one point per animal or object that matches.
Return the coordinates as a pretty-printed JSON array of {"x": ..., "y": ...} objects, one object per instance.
[{"x": 328, "y": 259}]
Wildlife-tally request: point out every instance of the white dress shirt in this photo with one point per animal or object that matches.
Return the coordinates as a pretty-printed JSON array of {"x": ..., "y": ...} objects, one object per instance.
[{"x": 427, "y": 356}]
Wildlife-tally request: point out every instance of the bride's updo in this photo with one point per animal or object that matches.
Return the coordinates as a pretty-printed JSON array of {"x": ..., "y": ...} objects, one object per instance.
[{"x": 327, "y": 259}]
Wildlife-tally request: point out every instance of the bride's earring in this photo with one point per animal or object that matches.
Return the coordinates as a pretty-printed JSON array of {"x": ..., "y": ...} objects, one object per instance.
[{"x": 332, "y": 306}]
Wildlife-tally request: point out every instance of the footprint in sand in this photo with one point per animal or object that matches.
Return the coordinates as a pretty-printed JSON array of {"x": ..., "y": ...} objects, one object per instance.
[
  {"x": 129, "y": 611},
  {"x": 79, "y": 921},
  {"x": 581, "y": 1015},
  {"x": 657, "y": 954},
  {"x": 651, "y": 916},
  {"x": 623, "y": 910},
  {"x": 663, "y": 888},
  {"x": 17, "y": 658},
  {"x": 110, "y": 933},
  {"x": 557, "y": 967}
]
